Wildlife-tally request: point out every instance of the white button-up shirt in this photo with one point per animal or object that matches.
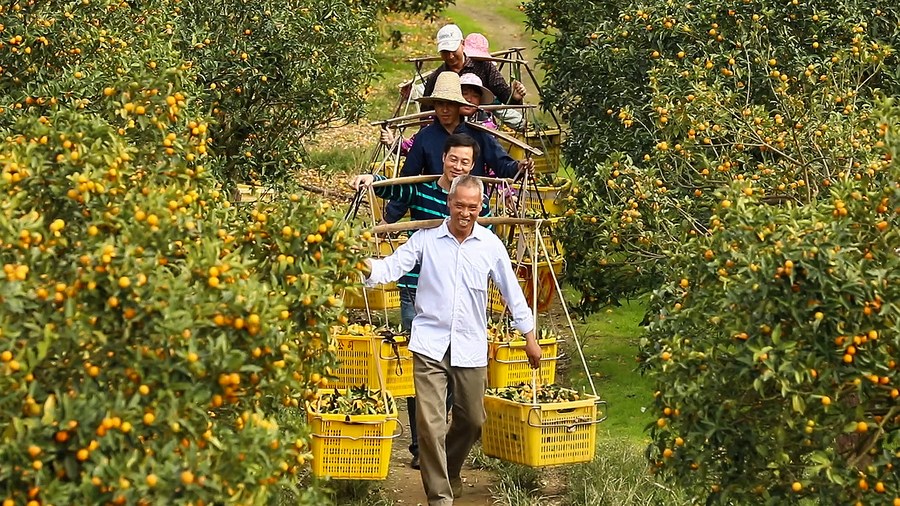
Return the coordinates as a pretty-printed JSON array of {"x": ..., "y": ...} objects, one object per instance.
[{"x": 451, "y": 301}]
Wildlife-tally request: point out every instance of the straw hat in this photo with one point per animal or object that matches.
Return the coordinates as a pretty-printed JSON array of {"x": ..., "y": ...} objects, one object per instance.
[
  {"x": 476, "y": 46},
  {"x": 471, "y": 79},
  {"x": 446, "y": 88}
]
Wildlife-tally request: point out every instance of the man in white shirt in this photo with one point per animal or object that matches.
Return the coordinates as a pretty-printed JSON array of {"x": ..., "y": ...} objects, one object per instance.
[{"x": 449, "y": 332}]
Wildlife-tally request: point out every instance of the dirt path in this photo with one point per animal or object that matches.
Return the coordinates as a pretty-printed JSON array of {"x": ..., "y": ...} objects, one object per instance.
[
  {"x": 404, "y": 484},
  {"x": 500, "y": 31}
]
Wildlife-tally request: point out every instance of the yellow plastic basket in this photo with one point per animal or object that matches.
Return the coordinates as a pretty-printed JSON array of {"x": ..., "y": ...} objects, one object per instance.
[
  {"x": 508, "y": 364},
  {"x": 548, "y": 141},
  {"x": 255, "y": 193},
  {"x": 387, "y": 246},
  {"x": 389, "y": 170},
  {"x": 546, "y": 287},
  {"x": 386, "y": 296},
  {"x": 540, "y": 435},
  {"x": 361, "y": 356},
  {"x": 352, "y": 447},
  {"x": 496, "y": 304},
  {"x": 553, "y": 198}
]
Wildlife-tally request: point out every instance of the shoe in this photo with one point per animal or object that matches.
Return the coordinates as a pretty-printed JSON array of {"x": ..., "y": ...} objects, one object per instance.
[
  {"x": 414, "y": 463},
  {"x": 456, "y": 486}
]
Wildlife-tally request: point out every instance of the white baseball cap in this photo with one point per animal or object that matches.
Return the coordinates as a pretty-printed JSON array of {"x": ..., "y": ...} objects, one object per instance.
[{"x": 449, "y": 37}]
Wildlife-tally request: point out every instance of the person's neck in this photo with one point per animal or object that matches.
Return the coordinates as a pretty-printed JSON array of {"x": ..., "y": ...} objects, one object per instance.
[
  {"x": 459, "y": 66},
  {"x": 444, "y": 182},
  {"x": 461, "y": 235},
  {"x": 452, "y": 128}
]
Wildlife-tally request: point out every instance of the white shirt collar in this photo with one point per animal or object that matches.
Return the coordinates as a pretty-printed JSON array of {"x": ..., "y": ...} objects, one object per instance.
[{"x": 478, "y": 232}]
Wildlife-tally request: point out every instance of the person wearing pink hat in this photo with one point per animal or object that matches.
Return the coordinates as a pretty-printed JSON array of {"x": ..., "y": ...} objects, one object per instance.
[
  {"x": 476, "y": 46},
  {"x": 452, "y": 46}
]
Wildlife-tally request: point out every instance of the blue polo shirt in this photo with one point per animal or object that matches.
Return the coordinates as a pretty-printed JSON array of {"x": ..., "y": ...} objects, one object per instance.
[
  {"x": 425, "y": 158},
  {"x": 426, "y": 201}
]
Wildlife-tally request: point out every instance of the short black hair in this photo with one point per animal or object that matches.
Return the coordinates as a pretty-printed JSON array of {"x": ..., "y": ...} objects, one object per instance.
[{"x": 462, "y": 140}]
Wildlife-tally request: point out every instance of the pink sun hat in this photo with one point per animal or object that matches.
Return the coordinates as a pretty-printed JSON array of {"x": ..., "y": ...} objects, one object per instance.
[
  {"x": 473, "y": 80},
  {"x": 476, "y": 46}
]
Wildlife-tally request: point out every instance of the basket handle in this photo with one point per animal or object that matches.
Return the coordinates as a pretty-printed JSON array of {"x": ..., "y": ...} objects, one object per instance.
[
  {"x": 508, "y": 344},
  {"x": 395, "y": 356},
  {"x": 543, "y": 359},
  {"x": 570, "y": 427},
  {"x": 393, "y": 436}
]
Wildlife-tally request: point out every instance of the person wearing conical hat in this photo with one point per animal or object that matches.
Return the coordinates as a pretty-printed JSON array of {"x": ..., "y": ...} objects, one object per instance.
[
  {"x": 424, "y": 156},
  {"x": 474, "y": 93},
  {"x": 452, "y": 47}
]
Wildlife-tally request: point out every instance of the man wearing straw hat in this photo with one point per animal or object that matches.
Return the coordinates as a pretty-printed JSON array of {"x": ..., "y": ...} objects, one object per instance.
[
  {"x": 449, "y": 332},
  {"x": 425, "y": 154},
  {"x": 455, "y": 52}
]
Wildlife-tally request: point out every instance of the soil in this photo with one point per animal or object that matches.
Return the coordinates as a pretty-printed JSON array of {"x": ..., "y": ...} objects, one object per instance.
[{"x": 404, "y": 484}]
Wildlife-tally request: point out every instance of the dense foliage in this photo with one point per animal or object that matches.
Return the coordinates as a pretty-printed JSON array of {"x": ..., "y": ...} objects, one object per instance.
[
  {"x": 668, "y": 103},
  {"x": 738, "y": 160},
  {"x": 155, "y": 338}
]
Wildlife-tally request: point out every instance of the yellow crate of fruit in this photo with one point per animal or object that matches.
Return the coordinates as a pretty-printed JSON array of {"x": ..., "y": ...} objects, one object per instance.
[
  {"x": 549, "y": 141},
  {"x": 549, "y": 198},
  {"x": 386, "y": 296},
  {"x": 508, "y": 364},
  {"x": 540, "y": 435},
  {"x": 352, "y": 447},
  {"x": 361, "y": 357},
  {"x": 546, "y": 287},
  {"x": 533, "y": 200},
  {"x": 496, "y": 303},
  {"x": 387, "y": 169},
  {"x": 383, "y": 247}
]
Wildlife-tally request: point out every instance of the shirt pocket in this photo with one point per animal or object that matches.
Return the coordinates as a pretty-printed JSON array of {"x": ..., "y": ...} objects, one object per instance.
[{"x": 475, "y": 279}]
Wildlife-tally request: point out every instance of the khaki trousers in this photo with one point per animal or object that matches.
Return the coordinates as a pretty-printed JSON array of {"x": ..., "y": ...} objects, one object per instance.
[{"x": 443, "y": 447}]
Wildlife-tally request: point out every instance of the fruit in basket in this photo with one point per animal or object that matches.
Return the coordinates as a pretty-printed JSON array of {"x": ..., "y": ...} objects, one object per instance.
[
  {"x": 499, "y": 332},
  {"x": 360, "y": 329},
  {"x": 354, "y": 329},
  {"x": 553, "y": 180},
  {"x": 353, "y": 401},
  {"x": 546, "y": 394}
]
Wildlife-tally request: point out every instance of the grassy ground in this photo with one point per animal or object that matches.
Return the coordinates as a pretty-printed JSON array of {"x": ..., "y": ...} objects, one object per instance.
[{"x": 610, "y": 340}]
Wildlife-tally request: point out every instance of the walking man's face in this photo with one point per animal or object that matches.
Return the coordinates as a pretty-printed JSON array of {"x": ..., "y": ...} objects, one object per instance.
[
  {"x": 447, "y": 113},
  {"x": 465, "y": 206}
]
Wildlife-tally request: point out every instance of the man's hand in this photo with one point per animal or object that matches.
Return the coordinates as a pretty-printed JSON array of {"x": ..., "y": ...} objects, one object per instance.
[
  {"x": 533, "y": 350},
  {"x": 387, "y": 138},
  {"x": 526, "y": 166},
  {"x": 362, "y": 180},
  {"x": 518, "y": 91}
]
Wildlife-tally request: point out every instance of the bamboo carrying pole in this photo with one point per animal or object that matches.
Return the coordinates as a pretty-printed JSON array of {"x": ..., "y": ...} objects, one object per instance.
[
  {"x": 432, "y": 177},
  {"x": 512, "y": 140},
  {"x": 484, "y": 221},
  {"x": 495, "y": 59}
]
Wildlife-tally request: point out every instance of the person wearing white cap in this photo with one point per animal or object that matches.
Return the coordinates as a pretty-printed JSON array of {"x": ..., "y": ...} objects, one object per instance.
[{"x": 451, "y": 45}]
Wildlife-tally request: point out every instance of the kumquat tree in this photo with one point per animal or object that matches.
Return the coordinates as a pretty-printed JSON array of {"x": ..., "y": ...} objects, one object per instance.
[
  {"x": 154, "y": 336},
  {"x": 738, "y": 160}
]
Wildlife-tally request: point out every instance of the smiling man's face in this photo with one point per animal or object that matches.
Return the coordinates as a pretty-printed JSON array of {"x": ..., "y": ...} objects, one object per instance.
[{"x": 465, "y": 206}]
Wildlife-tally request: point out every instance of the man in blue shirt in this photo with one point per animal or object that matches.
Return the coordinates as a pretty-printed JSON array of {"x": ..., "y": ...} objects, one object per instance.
[
  {"x": 425, "y": 154},
  {"x": 449, "y": 332}
]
